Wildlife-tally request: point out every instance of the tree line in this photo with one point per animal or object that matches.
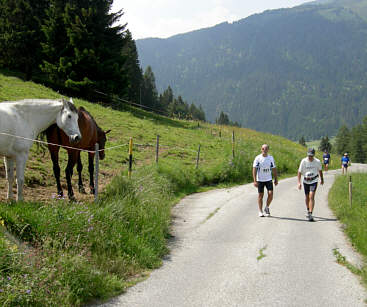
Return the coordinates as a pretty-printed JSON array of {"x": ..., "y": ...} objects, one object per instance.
[
  {"x": 353, "y": 141},
  {"x": 79, "y": 48}
]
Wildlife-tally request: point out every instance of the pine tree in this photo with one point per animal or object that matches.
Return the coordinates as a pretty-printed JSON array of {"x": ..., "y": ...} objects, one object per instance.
[
  {"x": 343, "y": 140},
  {"x": 83, "y": 48},
  {"x": 356, "y": 145},
  {"x": 149, "y": 94},
  {"x": 302, "y": 141},
  {"x": 166, "y": 99},
  {"x": 132, "y": 68},
  {"x": 223, "y": 119},
  {"x": 20, "y": 34},
  {"x": 325, "y": 144}
]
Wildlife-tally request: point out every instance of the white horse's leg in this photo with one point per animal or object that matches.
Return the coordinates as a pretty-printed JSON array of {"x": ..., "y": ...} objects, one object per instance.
[
  {"x": 9, "y": 170},
  {"x": 21, "y": 160}
]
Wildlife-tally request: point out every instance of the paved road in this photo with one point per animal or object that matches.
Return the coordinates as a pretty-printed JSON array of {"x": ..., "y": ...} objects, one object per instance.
[{"x": 215, "y": 261}]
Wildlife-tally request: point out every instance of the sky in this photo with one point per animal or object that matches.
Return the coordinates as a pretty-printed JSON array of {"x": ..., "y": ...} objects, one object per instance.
[{"x": 164, "y": 18}]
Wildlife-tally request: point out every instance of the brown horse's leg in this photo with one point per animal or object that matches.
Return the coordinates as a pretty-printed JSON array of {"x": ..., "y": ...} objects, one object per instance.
[
  {"x": 72, "y": 158},
  {"x": 91, "y": 172},
  {"x": 56, "y": 168},
  {"x": 79, "y": 168}
]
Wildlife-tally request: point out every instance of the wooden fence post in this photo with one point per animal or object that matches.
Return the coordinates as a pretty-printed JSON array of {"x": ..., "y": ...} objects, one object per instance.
[
  {"x": 233, "y": 143},
  {"x": 96, "y": 172},
  {"x": 350, "y": 191},
  {"x": 157, "y": 150},
  {"x": 130, "y": 157},
  {"x": 198, "y": 158}
]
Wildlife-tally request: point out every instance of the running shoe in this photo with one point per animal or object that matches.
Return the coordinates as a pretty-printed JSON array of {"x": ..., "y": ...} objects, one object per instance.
[
  {"x": 261, "y": 214},
  {"x": 310, "y": 218},
  {"x": 267, "y": 211}
]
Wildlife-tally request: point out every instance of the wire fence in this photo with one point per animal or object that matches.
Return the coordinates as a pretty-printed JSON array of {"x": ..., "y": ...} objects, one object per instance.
[{"x": 130, "y": 146}]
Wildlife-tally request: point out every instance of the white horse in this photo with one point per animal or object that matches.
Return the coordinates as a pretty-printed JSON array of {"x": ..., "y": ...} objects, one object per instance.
[{"x": 21, "y": 122}]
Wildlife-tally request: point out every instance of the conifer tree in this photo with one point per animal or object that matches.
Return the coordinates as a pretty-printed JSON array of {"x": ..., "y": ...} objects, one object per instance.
[
  {"x": 20, "y": 34},
  {"x": 356, "y": 145},
  {"x": 223, "y": 119},
  {"x": 302, "y": 141},
  {"x": 132, "y": 68},
  {"x": 343, "y": 140},
  {"x": 149, "y": 94},
  {"x": 83, "y": 47},
  {"x": 325, "y": 144},
  {"x": 166, "y": 99}
]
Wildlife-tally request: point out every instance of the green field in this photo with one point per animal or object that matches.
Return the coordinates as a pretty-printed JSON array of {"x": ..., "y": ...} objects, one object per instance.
[{"x": 57, "y": 253}]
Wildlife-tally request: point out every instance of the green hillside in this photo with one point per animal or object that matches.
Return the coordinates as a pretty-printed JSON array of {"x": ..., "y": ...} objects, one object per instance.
[
  {"x": 293, "y": 72},
  {"x": 56, "y": 253}
]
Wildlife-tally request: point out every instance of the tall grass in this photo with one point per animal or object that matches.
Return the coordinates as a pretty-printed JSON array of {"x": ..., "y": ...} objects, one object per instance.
[
  {"x": 68, "y": 254},
  {"x": 353, "y": 217},
  {"x": 77, "y": 253}
]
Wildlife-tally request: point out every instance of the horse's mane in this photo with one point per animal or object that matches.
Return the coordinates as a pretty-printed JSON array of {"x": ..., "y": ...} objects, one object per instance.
[
  {"x": 82, "y": 109},
  {"x": 70, "y": 105},
  {"x": 28, "y": 101}
]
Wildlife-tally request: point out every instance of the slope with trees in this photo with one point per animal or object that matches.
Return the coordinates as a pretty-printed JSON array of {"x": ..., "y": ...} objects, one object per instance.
[
  {"x": 295, "y": 72},
  {"x": 79, "y": 48}
]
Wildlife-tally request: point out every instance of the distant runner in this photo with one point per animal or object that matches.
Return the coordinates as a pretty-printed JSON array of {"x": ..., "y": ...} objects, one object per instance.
[
  {"x": 345, "y": 163},
  {"x": 310, "y": 168},
  {"x": 326, "y": 159},
  {"x": 263, "y": 168}
]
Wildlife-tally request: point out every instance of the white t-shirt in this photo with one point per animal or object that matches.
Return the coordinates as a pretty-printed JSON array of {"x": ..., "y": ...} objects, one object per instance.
[
  {"x": 264, "y": 166},
  {"x": 310, "y": 170}
]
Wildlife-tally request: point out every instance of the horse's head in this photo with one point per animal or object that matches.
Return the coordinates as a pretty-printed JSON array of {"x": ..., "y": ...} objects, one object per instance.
[
  {"x": 67, "y": 120},
  {"x": 102, "y": 139}
]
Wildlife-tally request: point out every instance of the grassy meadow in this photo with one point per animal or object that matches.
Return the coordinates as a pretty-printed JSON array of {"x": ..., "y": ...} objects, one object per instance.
[
  {"x": 57, "y": 253},
  {"x": 352, "y": 217}
]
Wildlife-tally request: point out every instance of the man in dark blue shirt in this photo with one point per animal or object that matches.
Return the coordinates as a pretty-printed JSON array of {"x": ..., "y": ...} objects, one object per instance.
[
  {"x": 326, "y": 159},
  {"x": 345, "y": 162}
]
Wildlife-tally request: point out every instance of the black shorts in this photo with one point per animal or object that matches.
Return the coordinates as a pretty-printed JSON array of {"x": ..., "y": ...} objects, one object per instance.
[
  {"x": 262, "y": 184},
  {"x": 309, "y": 187}
]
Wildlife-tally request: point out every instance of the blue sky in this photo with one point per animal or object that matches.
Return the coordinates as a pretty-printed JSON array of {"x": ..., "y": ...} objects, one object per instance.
[{"x": 164, "y": 18}]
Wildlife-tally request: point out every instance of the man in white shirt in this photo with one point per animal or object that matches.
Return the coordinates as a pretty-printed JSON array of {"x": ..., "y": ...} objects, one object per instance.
[
  {"x": 310, "y": 168},
  {"x": 263, "y": 168}
]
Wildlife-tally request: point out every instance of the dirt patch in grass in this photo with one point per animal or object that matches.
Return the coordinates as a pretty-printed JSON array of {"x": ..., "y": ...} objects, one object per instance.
[{"x": 46, "y": 193}]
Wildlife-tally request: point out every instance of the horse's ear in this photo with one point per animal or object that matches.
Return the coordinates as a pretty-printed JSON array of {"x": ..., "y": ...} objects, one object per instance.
[
  {"x": 108, "y": 131},
  {"x": 71, "y": 100}
]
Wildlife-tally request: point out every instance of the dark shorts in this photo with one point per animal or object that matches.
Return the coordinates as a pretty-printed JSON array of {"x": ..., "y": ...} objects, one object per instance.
[
  {"x": 309, "y": 187},
  {"x": 326, "y": 162},
  {"x": 262, "y": 184},
  {"x": 345, "y": 165}
]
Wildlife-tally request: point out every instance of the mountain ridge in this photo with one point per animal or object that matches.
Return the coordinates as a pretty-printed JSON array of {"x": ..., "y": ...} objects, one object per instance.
[{"x": 294, "y": 72}]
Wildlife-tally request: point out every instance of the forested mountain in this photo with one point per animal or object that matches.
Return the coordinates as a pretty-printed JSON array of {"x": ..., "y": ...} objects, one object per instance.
[
  {"x": 294, "y": 72},
  {"x": 79, "y": 49}
]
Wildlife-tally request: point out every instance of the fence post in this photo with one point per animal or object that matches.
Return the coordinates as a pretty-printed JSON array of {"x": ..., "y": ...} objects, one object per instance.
[
  {"x": 130, "y": 157},
  {"x": 96, "y": 172},
  {"x": 233, "y": 143},
  {"x": 157, "y": 150},
  {"x": 350, "y": 191},
  {"x": 198, "y": 158}
]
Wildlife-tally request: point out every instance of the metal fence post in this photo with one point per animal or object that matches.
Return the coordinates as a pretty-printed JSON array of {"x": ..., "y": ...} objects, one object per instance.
[
  {"x": 96, "y": 172},
  {"x": 157, "y": 150},
  {"x": 233, "y": 143},
  {"x": 198, "y": 158},
  {"x": 130, "y": 157},
  {"x": 350, "y": 191}
]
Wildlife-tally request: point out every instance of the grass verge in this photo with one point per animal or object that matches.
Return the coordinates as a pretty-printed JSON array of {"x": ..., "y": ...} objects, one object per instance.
[{"x": 354, "y": 218}]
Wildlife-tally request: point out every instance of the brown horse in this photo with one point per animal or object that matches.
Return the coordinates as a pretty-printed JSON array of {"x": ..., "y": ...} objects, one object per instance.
[{"x": 91, "y": 134}]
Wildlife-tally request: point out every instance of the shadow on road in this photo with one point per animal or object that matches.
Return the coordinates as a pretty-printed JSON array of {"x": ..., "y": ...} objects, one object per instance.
[{"x": 317, "y": 219}]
